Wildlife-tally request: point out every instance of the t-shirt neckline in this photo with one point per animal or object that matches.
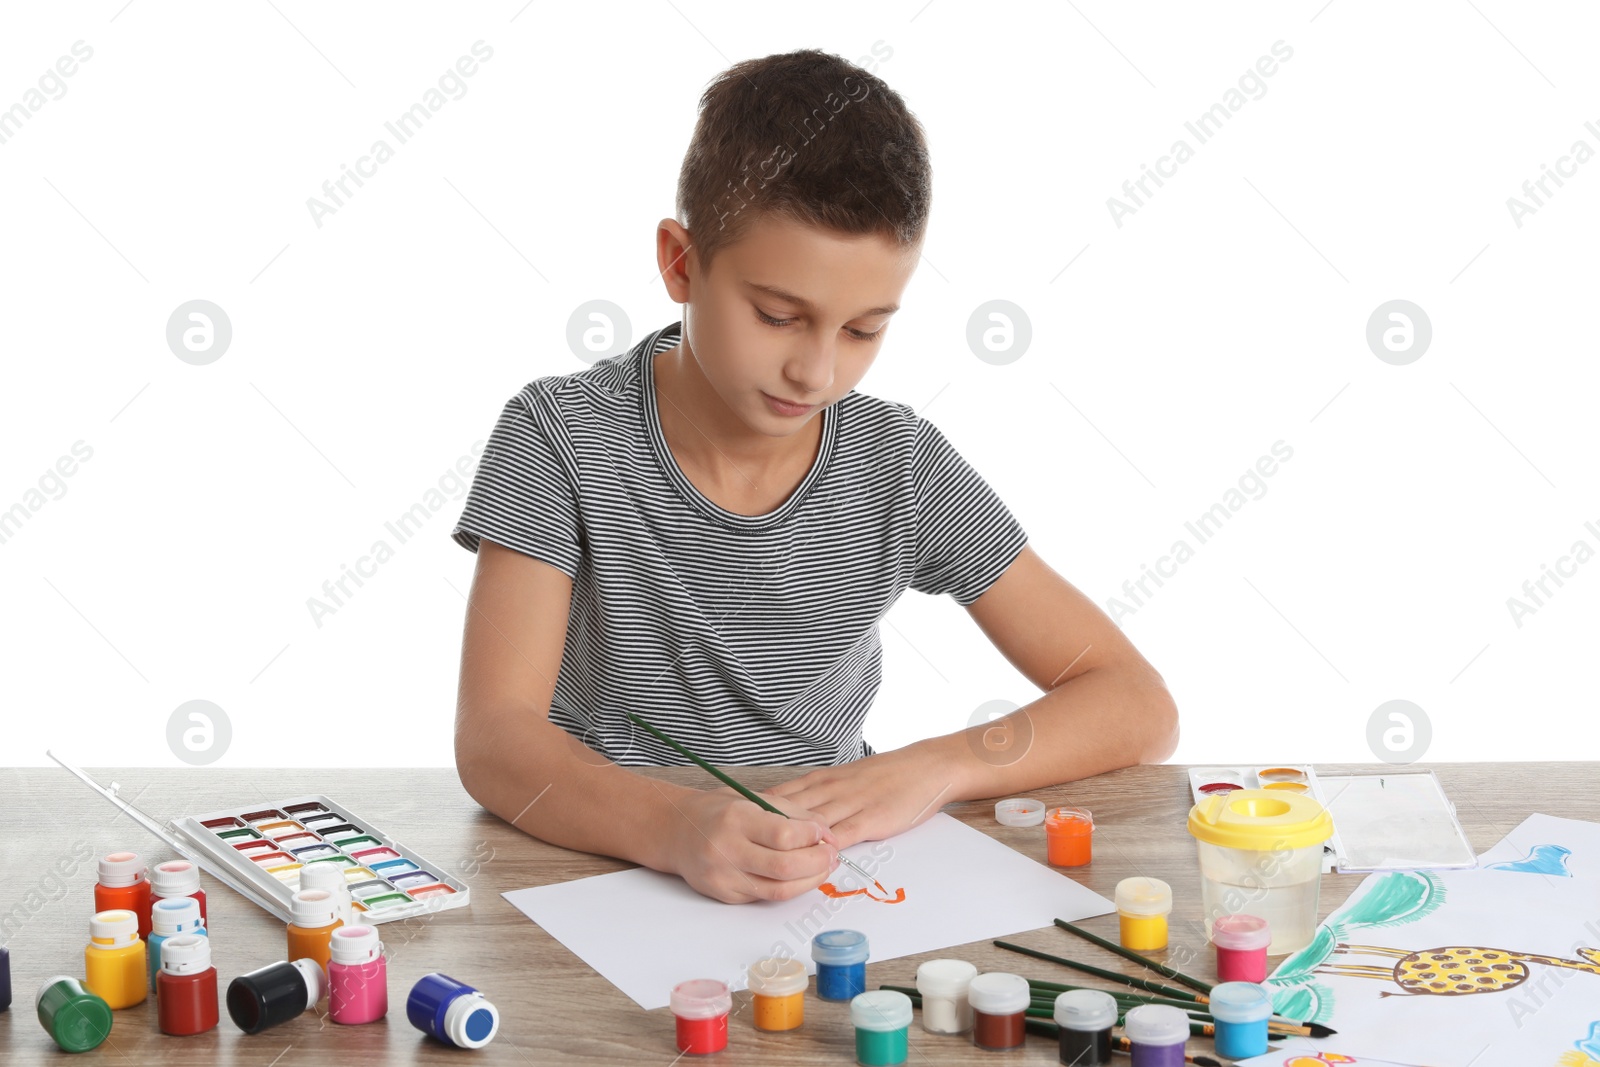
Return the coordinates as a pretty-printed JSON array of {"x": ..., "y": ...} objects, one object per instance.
[{"x": 686, "y": 488}]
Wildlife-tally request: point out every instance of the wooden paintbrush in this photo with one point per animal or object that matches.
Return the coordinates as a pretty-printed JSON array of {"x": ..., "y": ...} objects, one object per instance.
[{"x": 754, "y": 798}]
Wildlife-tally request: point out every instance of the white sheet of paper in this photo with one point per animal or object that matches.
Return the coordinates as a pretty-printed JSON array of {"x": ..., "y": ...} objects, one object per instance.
[
  {"x": 1542, "y": 996},
  {"x": 645, "y": 931},
  {"x": 1545, "y": 844}
]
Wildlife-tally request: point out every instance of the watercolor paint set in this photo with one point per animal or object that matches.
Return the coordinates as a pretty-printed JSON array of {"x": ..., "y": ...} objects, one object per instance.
[{"x": 259, "y": 850}]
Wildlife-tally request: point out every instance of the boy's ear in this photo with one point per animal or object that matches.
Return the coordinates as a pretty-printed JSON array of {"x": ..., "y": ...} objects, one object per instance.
[{"x": 674, "y": 249}]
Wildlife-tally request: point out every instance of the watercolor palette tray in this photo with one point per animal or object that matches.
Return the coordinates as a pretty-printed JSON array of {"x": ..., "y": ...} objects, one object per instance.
[
  {"x": 259, "y": 850},
  {"x": 1289, "y": 777}
]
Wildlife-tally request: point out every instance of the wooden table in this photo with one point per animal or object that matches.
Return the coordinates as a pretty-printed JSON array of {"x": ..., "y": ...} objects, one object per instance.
[{"x": 554, "y": 1008}]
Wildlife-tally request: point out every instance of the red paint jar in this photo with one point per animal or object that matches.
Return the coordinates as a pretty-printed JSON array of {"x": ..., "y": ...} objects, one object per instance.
[
  {"x": 701, "y": 1008},
  {"x": 186, "y": 989},
  {"x": 999, "y": 1003},
  {"x": 1242, "y": 942},
  {"x": 122, "y": 886}
]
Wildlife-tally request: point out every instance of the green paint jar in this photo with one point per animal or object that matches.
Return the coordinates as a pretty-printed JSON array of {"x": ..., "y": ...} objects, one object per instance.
[
  {"x": 882, "y": 1018},
  {"x": 75, "y": 1018}
]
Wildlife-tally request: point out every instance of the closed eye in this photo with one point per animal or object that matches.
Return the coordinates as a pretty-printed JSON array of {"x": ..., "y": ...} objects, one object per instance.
[{"x": 859, "y": 335}]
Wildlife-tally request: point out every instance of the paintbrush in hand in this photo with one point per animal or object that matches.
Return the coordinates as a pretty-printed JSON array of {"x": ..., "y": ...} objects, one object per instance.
[{"x": 753, "y": 797}]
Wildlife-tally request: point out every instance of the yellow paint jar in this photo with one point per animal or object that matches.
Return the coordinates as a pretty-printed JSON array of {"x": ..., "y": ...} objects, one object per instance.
[
  {"x": 114, "y": 960},
  {"x": 1143, "y": 905},
  {"x": 779, "y": 986}
]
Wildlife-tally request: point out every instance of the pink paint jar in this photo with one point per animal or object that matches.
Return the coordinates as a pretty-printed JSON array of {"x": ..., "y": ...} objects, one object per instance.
[
  {"x": 1241, "y": 942},
  {"x": 358, "y": 978}
]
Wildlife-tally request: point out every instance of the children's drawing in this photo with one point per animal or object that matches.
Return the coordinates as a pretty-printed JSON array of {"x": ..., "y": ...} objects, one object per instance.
[
  {"x": 828, "y": 889},
  {"x": 1541, "y": 859},
  {"x": 1439, "y": 942},
  {"x": 1453, "y": 970},
  {"x": 1585, "y": 1051},
  {"x": 1321, "y": 1059}
]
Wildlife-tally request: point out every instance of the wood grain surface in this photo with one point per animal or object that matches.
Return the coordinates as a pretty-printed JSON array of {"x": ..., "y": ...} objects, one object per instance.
[{"x": 554, "y": 1008}]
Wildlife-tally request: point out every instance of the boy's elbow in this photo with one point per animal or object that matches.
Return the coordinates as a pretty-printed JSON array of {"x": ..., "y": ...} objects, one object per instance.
[{"x": 1161, "y": 727}]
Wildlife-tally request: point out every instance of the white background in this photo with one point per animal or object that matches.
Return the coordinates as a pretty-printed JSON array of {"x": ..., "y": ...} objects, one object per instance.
[{"x": 1168, "y": 354}]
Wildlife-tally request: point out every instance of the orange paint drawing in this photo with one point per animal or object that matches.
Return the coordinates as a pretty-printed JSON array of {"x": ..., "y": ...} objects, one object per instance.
[{"x": 830, "y": 890}]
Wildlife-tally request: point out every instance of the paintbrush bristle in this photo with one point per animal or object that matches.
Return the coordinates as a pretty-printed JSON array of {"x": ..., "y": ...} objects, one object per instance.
[
  {"x": 1318, "y": 1030},
  {"x": 1207, "y": 1061}
]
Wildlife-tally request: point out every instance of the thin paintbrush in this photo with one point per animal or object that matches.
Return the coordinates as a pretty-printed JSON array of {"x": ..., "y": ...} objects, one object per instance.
[{"x": 754, "y": 798}]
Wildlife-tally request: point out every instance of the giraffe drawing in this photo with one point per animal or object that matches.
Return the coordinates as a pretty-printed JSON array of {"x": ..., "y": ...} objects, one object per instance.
[{"x": 1452, "y": 970}]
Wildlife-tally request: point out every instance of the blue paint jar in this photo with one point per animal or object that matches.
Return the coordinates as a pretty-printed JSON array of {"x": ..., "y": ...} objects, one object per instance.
[
  {"x": 452, "y": 1011},
  {"x": 1241, "y": 1010},
  {"x": 841, "y": 958},
  {"x": 170, "y": 917}
]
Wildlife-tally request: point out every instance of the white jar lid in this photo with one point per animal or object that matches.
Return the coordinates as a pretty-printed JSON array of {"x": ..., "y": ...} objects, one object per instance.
[
  {"x": 1239, "y": 1002},
  {"x": 1240, "y": 932},
  {"x": 1086, "y": 1010},
  {"x": 313, "y": 908},
  {"x": 119, "y": 869},
  {"x": 186, "y": 954},
  {"x": 354, "y": 944},
  {"x": 1156, "y": 1024},
  {"x": 777, "y": 977},
  {"x": 1143, "y": 896},
  {"x": 114, "y": 928},
  {"x": 172, "y": 916},
  {"x": 700, "y": 998},
  {"x": 1019, "y": 811},
  {"x": 945, "y": 978},
  {"x": 175, "y": 878},
  {"x": 999, "y": 993},
  {"x": 470, "y": 1021},
  {"x": 329, "y": 876},
  {"x": 880, "y": 1010}
]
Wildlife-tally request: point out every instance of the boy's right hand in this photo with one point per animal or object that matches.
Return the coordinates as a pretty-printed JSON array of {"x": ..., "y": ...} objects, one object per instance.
[{"x": 734, "y": 851}]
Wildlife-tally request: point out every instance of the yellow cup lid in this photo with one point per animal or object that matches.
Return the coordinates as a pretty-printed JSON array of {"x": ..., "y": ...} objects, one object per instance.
[{"x": 1261, "y": 819}]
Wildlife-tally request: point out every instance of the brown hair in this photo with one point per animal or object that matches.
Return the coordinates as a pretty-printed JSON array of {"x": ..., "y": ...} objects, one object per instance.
[{"x": 808, "y": 136}]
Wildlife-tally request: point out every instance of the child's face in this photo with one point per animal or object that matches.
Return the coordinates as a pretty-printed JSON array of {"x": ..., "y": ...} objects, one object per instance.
[{"x": 842, "y": 292}]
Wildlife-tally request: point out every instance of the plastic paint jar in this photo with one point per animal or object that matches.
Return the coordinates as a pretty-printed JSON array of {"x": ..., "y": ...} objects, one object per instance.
[
  {"x": 1069, "y": 836},
  {"x": 779, "y": 988},
  {"x": 315, "y": 919},
  {"x": 882, "y": 1019},
  {"x": 330, "y": 878},
  {"x": 841, "y": 958},
  {"x": 75, "y": 1018},
  {"x": 999, "y": 1001},
  {"x": 1241, "y": 1010},
  {"x": 1271, "y": 841},
  {"x": 177, "y": 878},
  {"x": 452, "y": 1012},
  {"x": 1241, "y": 942},
  {"x": 275, "y": 994},
  {"x": 1143, "y": 905},
  {"x": 114, "y": 959},
  {"x": 701, "y": 1007},
  {"x": 358, "y": 976},
  {"x": 1157, "y": 1033},
  {"x": 187, "y": 1001},
  {"x": 172, "y": 917},
  {"x": 1085, "y": 1017},
  {"x": 943, "y": 985},
  {"x": 121, "y": 885}
]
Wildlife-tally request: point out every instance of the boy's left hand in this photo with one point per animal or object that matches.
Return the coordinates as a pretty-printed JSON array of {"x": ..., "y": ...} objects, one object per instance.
[{"x": 872, "y": 798}]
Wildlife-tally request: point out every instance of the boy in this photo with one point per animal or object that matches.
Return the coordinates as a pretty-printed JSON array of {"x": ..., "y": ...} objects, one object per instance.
[{"x": 706, "y": 529}]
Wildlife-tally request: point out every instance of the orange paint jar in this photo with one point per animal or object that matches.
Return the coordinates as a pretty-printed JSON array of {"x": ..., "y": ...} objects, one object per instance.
[
  {"x": 779, "y": 988},
  {"x": 1069, "y": 834}
]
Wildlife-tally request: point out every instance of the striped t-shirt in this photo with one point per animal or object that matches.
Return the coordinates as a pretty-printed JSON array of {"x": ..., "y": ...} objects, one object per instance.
[{"x": 749, "y": 639}]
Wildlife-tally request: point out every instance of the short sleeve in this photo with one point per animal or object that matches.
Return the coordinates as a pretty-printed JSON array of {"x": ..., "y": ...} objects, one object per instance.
[
  {"x": 966, "y": 536},
  {"x": 523, "y": 494}
]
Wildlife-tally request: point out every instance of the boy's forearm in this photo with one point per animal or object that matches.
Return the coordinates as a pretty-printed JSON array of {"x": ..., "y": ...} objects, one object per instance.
[
  {"x": 534, "y": 776},
  {"x": 1098, "y": 721}
]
